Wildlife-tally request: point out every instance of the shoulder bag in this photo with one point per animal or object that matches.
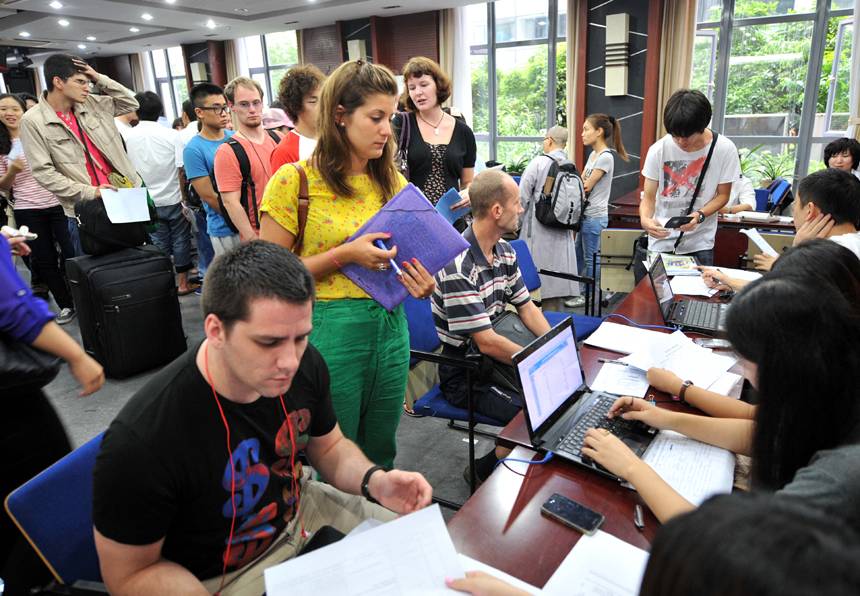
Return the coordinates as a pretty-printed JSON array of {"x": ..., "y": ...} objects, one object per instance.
[{"x": 511, "y": 326}]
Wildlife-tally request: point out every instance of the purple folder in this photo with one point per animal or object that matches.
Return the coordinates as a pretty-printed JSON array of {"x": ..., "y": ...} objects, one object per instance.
[{"x": 419, "y": 232}]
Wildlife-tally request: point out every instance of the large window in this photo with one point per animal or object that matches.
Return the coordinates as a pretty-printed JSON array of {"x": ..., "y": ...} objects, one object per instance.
[
  {"x": 170, "y": 81},
  {"x": 269, "y": 57},
  {"x": 777, "y": 73},
  {"x": 518, "y": 67}
]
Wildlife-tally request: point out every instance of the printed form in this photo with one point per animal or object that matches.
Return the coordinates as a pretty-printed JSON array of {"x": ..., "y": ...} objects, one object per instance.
[{"x": 410, "y": 555}]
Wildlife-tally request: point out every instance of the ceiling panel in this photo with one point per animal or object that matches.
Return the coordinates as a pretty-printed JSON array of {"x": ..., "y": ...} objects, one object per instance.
[
  {"x": 49, "y": 29},
  {"x": 247, "y": 8}
]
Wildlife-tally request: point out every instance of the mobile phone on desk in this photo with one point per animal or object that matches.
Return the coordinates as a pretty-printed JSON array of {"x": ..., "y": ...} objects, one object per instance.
[
  {"x": 572, "y": 514},
  {"x": 677, "y": 222}
]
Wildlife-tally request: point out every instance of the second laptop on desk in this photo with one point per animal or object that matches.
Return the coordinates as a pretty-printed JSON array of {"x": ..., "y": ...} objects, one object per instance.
[
  {"x": 558, "y": 405},
  {"x": 690, "y": 315}
]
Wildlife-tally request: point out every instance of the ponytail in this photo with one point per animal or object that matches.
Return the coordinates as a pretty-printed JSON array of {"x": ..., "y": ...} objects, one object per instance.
[{"x": 611, "y": 131}]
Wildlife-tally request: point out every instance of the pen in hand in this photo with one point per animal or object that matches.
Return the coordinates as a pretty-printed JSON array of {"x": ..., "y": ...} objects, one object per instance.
[
  {"x": 608, "y": 361},
  {"x": 381, "y": 246}
]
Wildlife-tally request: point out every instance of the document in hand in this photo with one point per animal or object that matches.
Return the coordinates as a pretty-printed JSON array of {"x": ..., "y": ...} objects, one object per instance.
[
  {"x": 677, "y": 353},
  {"x": 599, "y": 565},
  {"x": 125, "y": 205},
  {"x": 760, "y": 242},
  {"x": 410, "y": 555},
  {"x": 419, "y": 232},
  {"x": 449, "y": 199}
]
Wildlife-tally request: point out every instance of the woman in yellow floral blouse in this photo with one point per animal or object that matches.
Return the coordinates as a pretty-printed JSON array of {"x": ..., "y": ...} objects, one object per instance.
[{"x": 351, "y": 175}]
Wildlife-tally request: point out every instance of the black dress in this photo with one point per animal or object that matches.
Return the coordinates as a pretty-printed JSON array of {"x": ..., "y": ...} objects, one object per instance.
[{"x": 436, "y": 169}]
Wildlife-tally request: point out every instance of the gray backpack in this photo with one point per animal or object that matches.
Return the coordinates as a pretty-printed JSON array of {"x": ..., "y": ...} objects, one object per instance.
[{"x": 563, "y": 202}]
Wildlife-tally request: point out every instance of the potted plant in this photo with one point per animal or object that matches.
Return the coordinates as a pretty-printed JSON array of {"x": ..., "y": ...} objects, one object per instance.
[
  {"x": 746, "y": 160},
  {"x": 517, "y": 165},
  {"x": 773, "y": 169}
]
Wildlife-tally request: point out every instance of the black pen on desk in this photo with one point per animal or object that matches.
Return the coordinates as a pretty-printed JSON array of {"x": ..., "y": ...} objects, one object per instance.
[
  {"x": 609, "y": 361},
  {"x": 638, "y": 518}
]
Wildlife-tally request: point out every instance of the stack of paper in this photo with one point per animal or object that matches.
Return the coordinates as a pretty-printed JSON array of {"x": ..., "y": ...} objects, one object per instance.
[
  {"x": 677, "y": 353},
  {"x": 624, "y": 339},
  {"x": 599, "y": 565},
  {"x": 410, "y": 555},
  {"x": 619, "y": 379}
]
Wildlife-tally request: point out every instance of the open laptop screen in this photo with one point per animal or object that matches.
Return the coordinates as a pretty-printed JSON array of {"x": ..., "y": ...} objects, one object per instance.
[
  {"x": 550, "y": 375},
  {"x": 662, "y": 289}
]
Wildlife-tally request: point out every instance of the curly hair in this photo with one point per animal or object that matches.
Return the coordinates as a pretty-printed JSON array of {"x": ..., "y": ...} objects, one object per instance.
[
  {"x": 418, "y": 67},
  {"x": 295, "y": 85}
]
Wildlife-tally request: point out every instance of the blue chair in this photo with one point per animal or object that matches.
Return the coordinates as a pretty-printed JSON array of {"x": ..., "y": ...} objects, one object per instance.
[
  {"x": 779, "y": 193},
  {"x": 423, "y": 339},
  {"x": 761, "y": 197},
  {"x": 517, "y": 179},
  {"x": 54, "y": 512},
  {"x": 583, "y": 325}
]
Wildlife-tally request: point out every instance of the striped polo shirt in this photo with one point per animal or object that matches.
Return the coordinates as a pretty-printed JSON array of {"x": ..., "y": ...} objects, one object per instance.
[
  {"x": 470, "y": 292},
  {"x": 25, "y": 190}
]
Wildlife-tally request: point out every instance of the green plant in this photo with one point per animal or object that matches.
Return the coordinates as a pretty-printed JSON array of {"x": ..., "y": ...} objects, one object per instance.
[
  {"x": 517, "y": 165},
  {"x": 746, "y": 159},
  {"x": 776, "y": 168}
]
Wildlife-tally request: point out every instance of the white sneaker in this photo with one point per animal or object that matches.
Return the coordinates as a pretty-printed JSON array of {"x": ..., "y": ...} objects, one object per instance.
[
  {"x": 66, "y": 315},
  {"x": 575, "y": 302}
]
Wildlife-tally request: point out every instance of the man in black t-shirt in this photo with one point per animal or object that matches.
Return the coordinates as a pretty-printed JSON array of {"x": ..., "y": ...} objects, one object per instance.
[{"x": 198, "y": 482}]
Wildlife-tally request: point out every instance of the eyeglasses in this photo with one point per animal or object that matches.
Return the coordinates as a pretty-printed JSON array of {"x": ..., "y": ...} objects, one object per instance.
[
  {"x": 220, "y": 110},
  {"x": 247, "y": 106}
]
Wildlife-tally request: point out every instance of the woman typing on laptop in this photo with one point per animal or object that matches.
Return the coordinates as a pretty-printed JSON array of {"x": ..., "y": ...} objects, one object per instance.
[
  {"x": 793, "y": 350},
  {"x": 824, "y": 261}
]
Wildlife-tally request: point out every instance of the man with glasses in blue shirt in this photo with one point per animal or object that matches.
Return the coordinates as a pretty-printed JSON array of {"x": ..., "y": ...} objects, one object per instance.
[
  {"x": 245, "y": 98},
  {"x": 213, "y": 113}
]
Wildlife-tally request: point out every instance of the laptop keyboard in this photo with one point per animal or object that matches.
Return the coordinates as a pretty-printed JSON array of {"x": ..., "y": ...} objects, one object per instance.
[
  {"x": 596, "y": 418},
  {"x": 701, "y": 314}
]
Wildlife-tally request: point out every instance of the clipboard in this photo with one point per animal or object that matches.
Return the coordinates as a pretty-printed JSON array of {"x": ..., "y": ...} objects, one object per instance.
[{"x": 419, "y": 232}]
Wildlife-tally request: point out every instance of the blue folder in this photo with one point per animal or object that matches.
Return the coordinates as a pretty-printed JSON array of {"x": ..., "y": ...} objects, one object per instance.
[
  {"x": 452, "y": 197},
  {"x": 419, "y": 232}
]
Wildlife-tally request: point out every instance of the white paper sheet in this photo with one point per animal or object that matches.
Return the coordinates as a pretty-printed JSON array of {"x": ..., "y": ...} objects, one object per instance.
[
  {"x": 725, "y": 383},
  {"x": 126, "y": 205},
  {"x": 696, "y": 470},
  {"x": 410, "y": 555},
  {"x": 762, "y": 244},
  {"x": 677, "y": 353},
  {"x": 740, "y": 273},
  {"x": 621, "y": 380},
  {"x": 623, "y": 338},
  {"x": 16, "y": 152},
  {"x": 599, "y": 565},
  {"x": 689, "y": 286},
  {"x": 470, "y": 564}
]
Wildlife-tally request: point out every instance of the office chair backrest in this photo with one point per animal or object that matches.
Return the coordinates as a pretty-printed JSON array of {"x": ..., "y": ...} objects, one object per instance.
[
  {"x": 528, "y": 269},
  {"x": 761, "y": 197},
  {"x": 54, "y": 511},
  {"x": 422, "y": 330}
]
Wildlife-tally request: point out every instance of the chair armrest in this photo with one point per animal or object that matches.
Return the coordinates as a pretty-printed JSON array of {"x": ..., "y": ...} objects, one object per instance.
[
  {"x": 447, "y": 360},
  {"x": 567, "y": 276}
]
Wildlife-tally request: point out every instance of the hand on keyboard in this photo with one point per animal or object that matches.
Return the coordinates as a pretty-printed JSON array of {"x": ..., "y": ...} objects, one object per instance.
[
  {"x": 633, "y": 408},
  {"x": 607, "y": 450}
]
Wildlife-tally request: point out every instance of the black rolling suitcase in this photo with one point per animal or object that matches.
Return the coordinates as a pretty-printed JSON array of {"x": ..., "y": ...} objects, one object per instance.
[{"x": 128, "y": 309}]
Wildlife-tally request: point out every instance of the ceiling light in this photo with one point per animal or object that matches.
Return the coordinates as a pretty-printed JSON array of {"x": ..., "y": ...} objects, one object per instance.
[
  {"x": 134, "y": 29},
  {"x": 82, "y": 46},
  {"x": 541, "y": 23},
  {"x": 23, "y": 34},
  {"x": 211, "y": 24},
  {"x": 63, "y": 22},
  {"x": 91, "y": 38},
  {"x": 55, "y": 5},
  {"x": 240, "y": 10},
  {"x": 146, "y": 17},
  {"x": 171, "y": 1}
]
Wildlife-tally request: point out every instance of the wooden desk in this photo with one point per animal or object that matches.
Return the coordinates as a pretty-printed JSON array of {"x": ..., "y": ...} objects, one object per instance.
[
  {"x": 729, "y": 243},
  {"x": 640, "y": 306},
  {"x": 502, "y": 526}
]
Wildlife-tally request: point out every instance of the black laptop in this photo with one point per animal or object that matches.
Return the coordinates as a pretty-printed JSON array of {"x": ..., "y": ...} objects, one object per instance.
[
  {"x": 558, "y": 405},
  {"x": 698, "y": 316}
]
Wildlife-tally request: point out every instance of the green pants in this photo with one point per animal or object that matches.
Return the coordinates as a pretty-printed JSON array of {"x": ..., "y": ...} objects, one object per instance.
[{"x": 366, "y": 349}]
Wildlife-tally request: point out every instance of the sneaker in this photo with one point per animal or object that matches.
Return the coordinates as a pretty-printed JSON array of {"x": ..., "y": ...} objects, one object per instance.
[
  {"x": 199, "y": 291},
  {"x": 66, "y": 315},
  {"x": 575, "y": 302}
]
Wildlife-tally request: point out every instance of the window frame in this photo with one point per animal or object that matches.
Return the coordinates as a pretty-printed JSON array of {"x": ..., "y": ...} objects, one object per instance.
[
  {"x": 169, "y": 79},
  {"x": 267, "y": 68},
  {"x": 831, "y": 94},
  {"x": 551, "y": 42},
  {"x": 820, "y": 17}
]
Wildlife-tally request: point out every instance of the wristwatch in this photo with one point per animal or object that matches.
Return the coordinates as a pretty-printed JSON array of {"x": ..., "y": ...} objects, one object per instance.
[
  {"x": 684, "y": 391},
  {"x": 366, "y": 493},
  {"x": 701, "y": 216}
]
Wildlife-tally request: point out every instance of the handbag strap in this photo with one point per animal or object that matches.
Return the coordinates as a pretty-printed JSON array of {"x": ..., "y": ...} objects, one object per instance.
[
  {"x": 304, "y": 205},
  {"x": 699, "y": 184},
  {"x": 86, "y": 149}
]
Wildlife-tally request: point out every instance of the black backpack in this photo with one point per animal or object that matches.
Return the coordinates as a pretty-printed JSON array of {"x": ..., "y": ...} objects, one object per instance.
[
  {"x": 563, "y": 202},
  {"x": 247, "y": 181},
  {"x": 192, "y": 199}
]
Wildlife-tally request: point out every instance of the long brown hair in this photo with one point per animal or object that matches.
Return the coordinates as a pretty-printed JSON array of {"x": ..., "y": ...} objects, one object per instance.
[
  {"x": 611, "y": 130},
  {"x": 349, "y": 86}
]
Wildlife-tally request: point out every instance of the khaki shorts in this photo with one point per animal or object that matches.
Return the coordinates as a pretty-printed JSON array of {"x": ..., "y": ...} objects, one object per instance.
[{"x": 321, "y": 505}]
